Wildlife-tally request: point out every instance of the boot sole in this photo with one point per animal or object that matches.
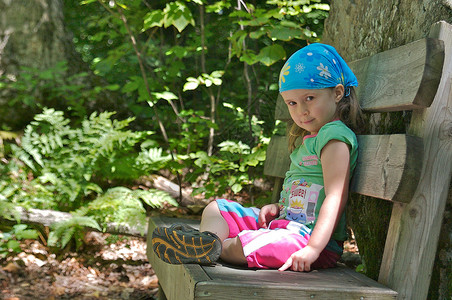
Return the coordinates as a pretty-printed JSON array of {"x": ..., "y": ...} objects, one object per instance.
[{"x": 181, "y": 246}]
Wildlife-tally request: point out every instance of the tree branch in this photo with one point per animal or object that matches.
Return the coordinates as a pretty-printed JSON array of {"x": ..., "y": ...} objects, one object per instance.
[{"x": 47, "y": 218}]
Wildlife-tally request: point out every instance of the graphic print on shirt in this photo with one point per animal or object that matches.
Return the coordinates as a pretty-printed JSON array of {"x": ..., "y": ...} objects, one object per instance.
[{"x": 302, "y": 201}]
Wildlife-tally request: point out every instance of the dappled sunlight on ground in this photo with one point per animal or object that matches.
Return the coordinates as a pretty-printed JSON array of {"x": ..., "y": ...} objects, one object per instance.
[{"x": 103, "y": 270}]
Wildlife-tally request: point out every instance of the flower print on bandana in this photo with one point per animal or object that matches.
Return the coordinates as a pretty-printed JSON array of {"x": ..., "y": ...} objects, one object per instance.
[
  {"x": 324, "y": 71},
  {"x": 299, "y": 68},
  {"x": 310, "y": 79},
  {"x": 311, "y": 56},
  {"x": 284, "y": 72}
]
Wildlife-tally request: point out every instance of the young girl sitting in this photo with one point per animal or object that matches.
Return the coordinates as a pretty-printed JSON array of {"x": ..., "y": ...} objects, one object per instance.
[{"x": 306, "y": 229}]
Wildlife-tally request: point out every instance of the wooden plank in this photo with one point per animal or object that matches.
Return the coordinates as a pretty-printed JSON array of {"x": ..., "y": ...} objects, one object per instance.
[
  {"x": 414, "y": 228},
  {"x": 277, "y": 160},
  {"x": 404, "y": 78},
  {"x": 337, "y": 283},
  {"x": 177, "y": 281},
  {"x": 277, "y": 188},
  {"x": 388, "y": 165}
]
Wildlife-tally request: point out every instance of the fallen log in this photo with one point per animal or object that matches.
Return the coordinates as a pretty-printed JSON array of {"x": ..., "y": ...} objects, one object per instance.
[
  {"x": 47, "y": 218},
  {"x": 163, "y": 184}
]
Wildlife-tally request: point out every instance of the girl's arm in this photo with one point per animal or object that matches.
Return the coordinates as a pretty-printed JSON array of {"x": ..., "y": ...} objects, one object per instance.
[{"x": 335, "y": 158}]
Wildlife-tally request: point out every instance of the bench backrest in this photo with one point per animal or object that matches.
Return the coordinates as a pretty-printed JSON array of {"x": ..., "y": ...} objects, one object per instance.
[
  {"x": 388, "y": 165},
  {"x": 413, "y": 170}
]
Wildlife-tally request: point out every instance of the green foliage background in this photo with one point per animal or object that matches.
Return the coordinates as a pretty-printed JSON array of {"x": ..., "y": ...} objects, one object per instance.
[{"x": 194, "y": 84}]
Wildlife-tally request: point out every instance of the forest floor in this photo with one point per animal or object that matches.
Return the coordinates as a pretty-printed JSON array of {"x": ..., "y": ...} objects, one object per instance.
[{"x": 107, "y": 267}]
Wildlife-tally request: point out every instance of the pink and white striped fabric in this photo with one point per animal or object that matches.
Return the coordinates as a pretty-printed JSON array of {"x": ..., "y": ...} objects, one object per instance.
[{"x": 269, "y": 248}]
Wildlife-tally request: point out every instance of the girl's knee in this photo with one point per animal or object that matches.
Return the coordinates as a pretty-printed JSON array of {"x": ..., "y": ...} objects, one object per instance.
[
  {"x": 213, "y": 221},
  {"x": 211, "y": 209}
]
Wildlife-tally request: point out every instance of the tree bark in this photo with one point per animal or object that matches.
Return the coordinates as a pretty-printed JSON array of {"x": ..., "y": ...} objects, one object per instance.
[
  {"x": 47, "y": 218},
  {"x": 33, "y": 35},
  {"x": 361, "y": 28}
]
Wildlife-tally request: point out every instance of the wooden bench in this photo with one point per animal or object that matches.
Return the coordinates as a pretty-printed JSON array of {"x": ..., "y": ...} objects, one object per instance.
[{"x": 413, "y": 170}]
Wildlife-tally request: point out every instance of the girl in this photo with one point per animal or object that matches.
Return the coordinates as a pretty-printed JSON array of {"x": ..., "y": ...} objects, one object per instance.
[{"x": 306, "y": 229}]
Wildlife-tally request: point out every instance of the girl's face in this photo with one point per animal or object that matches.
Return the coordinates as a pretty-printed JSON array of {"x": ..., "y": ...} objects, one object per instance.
[{"x": 311, "y": 109}]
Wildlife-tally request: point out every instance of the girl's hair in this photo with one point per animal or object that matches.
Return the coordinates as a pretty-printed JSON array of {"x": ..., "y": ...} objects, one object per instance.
[{"x": 348, "y": 111}]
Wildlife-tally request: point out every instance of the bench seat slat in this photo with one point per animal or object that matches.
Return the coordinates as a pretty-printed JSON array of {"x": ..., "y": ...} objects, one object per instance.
[
  {"x": 223, "y": 282},
  {"x": 404, "y": 78},
  {"x": 178, "y": 281},
  {"x": 386, "y": 168}
]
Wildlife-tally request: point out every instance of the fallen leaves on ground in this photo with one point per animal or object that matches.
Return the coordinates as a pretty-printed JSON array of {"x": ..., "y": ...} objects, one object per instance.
[{"x": 104, "y": 269}]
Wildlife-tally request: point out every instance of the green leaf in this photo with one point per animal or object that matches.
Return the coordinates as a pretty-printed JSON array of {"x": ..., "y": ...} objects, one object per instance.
[
  {"x": 153, "y": 19},
  {"x": 191, "y": 84},
  {"x": 165, "y": 95},
  {"x": 249, "y": 57},
  {"x": 178, "y": 15},
  {"x": 133, "y": 84},
  {"x": 258, "y": 33},
  {"x": 112, "y": 87},
  {"x": 29, "y": 234},
  {"x": 13, "y": 245},
  {"x": 271, "y": 54},
  {"x": 236, "y": 187},
  {"x": 237, "y": 42},
  {"x": 285, "y": 34}
]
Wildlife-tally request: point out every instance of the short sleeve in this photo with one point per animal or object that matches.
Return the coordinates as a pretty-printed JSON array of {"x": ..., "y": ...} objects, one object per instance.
[{"x": 337, "y": 131}]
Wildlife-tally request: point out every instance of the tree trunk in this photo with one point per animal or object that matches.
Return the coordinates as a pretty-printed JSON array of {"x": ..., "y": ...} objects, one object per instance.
[
  {"x": 361, "y": 28},
  {"x": 33, "y": 35}
]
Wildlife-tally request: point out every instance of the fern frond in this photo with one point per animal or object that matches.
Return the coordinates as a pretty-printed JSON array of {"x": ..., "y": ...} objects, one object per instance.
[
  {"x": 155, "y": 198},
  {"x": 7, "y": 209},
  {"x": 8, "y": 135},
  {"x": 118, "y": 205},
  {"x": 63, "y": 231}
]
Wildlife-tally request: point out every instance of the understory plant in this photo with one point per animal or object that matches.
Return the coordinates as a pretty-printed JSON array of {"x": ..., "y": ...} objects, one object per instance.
[
  {"x": 10, "y": 240},
  {"x": 80, "y": 169}
]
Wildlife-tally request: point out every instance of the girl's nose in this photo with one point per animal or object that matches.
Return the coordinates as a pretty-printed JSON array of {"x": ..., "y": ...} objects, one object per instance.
[{"x": 303, "y": 109}]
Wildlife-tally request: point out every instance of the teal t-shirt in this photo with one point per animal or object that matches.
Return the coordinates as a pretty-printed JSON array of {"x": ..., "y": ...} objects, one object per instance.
[{"x": 303, "y": 190}]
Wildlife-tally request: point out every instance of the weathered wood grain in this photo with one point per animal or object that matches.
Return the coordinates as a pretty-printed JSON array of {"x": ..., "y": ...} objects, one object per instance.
[
  {"x": 277, "y": 159},
  {"x": 404, "y": 78},
  {"x": 414, "y": 228},
  {"x": 338, "y": 283},
  {"x": 228, "y": 282},
  {"x": 177, "y": 281},
  {"x": 388, "y": 165}
]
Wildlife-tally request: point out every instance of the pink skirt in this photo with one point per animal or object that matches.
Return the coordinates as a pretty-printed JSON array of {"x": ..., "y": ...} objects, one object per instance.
[{"x": 270, "y": 248}]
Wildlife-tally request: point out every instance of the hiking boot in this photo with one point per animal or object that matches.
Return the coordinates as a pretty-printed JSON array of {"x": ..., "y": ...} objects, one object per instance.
[{"x": 182, "y": 244}]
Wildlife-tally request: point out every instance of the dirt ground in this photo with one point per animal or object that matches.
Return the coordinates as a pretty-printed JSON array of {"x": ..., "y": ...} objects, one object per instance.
[{"x": 107, "y": 268}]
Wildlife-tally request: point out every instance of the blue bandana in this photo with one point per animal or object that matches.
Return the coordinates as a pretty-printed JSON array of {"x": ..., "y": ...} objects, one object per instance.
[{"x": 316, "y": 66}]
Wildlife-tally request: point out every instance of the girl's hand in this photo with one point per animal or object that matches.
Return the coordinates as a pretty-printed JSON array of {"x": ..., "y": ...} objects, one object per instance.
[
  {"x": 301, "y": 260},
  {"x": 267, "y": 214}
]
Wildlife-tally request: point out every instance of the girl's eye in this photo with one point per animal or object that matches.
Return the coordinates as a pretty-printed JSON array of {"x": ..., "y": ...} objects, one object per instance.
[
  {"x": 291, "y": 103},
  {"x": 309, "y": 98}
]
